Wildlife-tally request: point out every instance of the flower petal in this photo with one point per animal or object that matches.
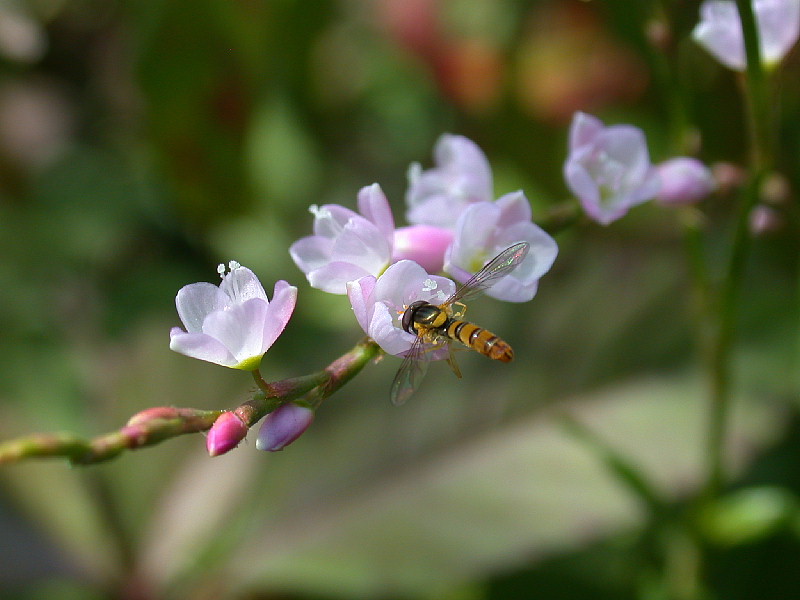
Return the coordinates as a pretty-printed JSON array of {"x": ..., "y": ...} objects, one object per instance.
[
  {"x": 334, "y": 276},
  {"x": 584, "y": 130},
  {"x": 372, "y": 203},
  {"x": 284, "y": 298},
  {"x": 359, "y": 292},
  {"x": 241, "y": 285},
  {"x": 311, "y": 252},
  {"x": 196, "y": 301},
  {"x": 363, "y": 245},
  {"x": 329, "y": 219},
  {"x": 202, "y": 346},
  {"x": 423, "y": 244},
  {"x": 240, "y": 328}
]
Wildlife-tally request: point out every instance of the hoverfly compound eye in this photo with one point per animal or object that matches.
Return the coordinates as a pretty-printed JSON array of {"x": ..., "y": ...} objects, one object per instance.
[{"x": 408, "y": 315}]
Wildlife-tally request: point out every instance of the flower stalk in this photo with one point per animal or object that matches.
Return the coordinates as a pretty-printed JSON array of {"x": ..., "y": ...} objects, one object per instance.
[{"x": 155, "y": 425}]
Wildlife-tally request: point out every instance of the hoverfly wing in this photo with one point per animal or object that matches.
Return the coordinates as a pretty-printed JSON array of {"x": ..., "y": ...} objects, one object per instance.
[
  {"x": 410, "y": 374},
  {"x": 500, "y": 266}
]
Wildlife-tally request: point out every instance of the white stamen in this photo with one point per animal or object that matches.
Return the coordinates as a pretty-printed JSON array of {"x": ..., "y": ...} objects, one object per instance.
[
  {"x": 233, "y": 265},
  {"x": 319, "y": 213},
  {"x": 221, "y": 270}
]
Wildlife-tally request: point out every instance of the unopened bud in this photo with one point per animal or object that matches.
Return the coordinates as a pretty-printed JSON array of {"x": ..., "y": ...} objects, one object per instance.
[
  {"x": 156, "y": 412},
  {"x": 728, "y": 176},
  {"x": 283, "y": 426},
  {"x": 658, "y": 33},
  {"x": 764, "y": 220},
  {"x": 424, "y": 244},
  {"x": 225, "y": 434},
  {"x": 775, "y": 189},
  {"x": 684, "y": 180}
]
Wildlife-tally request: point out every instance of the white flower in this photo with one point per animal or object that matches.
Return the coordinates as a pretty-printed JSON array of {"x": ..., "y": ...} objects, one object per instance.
[{"x": 234, "y": 324}]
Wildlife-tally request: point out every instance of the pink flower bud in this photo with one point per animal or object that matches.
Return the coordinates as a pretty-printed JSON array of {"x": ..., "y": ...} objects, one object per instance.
[
  {"x": 424, "y": 244},
  {"x": 684, "y": 180},
  {"x": 283, "y": 426},
  {"x": 225, "y": 434},
  {"x": 156, "y": 412}
]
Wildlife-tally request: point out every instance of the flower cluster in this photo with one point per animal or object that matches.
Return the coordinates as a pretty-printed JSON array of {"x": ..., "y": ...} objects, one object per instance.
[
  {"x": 609, "y": 171},
  {"x": 456, "y": 226}
]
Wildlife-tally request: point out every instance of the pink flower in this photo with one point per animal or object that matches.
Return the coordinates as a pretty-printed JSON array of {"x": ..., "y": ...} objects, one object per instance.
[
  {"x": 487, "y": 228},
  {"x": 608, "y": 168},
  {"x": 720, "y": 30},
  {"x": 347, "y": 245},
  {"x": 462, "y": 175},
  {"x": 379, "y": 303},
  {"x": 232, "y": 325}
]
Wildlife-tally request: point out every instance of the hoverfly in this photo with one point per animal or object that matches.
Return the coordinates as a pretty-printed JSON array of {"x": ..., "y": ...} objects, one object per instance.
[{"x": 439, "y": 324}]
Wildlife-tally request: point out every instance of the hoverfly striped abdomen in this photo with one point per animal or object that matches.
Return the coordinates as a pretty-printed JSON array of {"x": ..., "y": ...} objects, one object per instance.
[
  {"x": 423, "y": 317},
  {"x": 479, "y": 339}
]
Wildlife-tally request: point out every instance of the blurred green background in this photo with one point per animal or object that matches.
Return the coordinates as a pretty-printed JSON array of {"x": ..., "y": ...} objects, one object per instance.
[{"x": 144, "y": 142}]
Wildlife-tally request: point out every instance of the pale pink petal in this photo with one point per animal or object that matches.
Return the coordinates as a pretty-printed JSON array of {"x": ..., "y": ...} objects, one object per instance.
[
  {"x": 372, "y": 203},
  {"x": 333, "y": 277},
  {"x": 584, "y": 130},
  {"x": 201, "y": 346},
  {"x": 280, "y": 310},
  {"x": 241, "y": 285},
  {"x": 359, "y": 293},
  {"x": 283, "y": 426},
  {"x": 240, "y": 328},
  {"x": 363, "y": 245},
  {"x": 311, "y": 252},
  {"x": 196, "y": 301}
]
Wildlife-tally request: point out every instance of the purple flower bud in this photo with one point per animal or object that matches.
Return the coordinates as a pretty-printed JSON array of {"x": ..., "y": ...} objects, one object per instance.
[
  {"x": 684, "y": 180},
  {"x": 424, "y": 244},
  {"x": 283, "y": 426},
  {"x": 225, "y": 434}
]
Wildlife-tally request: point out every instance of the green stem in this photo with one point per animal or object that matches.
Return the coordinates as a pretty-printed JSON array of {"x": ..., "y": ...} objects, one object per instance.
[
  {"x": 154, "y": 425},
  {"x": 313, "y": 388},
  {"x": 726, "y": 304},
  {"x": 757, "y": 91}
]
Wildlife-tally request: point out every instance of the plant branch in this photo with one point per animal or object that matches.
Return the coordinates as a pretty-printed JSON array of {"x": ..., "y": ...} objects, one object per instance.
[{"x": 154, "y": 425}]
